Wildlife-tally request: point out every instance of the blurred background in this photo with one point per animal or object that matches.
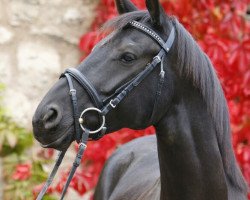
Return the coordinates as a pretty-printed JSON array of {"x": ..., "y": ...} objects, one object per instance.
[{"x": 40, "y": 38}]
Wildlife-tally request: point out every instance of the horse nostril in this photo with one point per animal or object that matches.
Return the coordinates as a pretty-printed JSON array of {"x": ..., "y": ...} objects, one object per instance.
[{"x": 52, "y": 117}]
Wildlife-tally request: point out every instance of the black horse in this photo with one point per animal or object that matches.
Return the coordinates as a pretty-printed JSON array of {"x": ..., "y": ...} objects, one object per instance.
[{"x": 191, "y": 156}]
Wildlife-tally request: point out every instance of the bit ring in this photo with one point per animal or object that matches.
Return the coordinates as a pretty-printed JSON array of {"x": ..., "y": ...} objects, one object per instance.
[{"x": 99, "y": 113}]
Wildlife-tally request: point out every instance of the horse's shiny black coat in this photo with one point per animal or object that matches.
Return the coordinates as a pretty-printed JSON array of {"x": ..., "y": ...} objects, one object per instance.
[
  {"x": 123, "y": 168},
  {"x": 191, "y": 157}
]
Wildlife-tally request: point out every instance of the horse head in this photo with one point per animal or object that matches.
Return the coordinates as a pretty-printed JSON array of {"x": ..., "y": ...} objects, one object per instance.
[{"x": 114, "y": 62}]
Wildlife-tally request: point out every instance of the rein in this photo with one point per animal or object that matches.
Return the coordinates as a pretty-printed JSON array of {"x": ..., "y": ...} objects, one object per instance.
[{"x": 103, "y": 107}]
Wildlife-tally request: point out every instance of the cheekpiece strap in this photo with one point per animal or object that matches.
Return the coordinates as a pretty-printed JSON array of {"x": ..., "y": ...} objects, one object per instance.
[
  {"x": 72, "y": 92},
  {"x": 134, "y": 83},
  {"x": 86, "y": 84}
]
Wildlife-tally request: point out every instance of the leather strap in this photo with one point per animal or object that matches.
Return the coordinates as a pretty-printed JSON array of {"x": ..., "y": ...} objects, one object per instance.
[
  {"x": 114, "y": 102},
  {"x": 77, "y": 161},
  {"x": 158, "y": 94},
  {"x": 141, "y": 27},
  {"x": 72, "y": 92},
  {"x": 86, "y": 84},
  {"x": 166, "y": 46},
  {"x": 52, "y": 175}
]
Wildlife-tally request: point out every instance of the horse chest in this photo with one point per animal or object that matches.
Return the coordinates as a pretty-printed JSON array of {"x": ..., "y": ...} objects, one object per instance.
[{"x": 132, "y": 173}]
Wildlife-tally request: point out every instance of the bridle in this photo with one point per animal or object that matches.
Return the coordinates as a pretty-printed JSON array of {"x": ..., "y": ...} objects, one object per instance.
[{"x": 103, "y": 107}]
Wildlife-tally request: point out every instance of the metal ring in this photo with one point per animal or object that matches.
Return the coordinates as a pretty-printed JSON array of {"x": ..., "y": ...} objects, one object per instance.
[{"x": 99, "y": 112}]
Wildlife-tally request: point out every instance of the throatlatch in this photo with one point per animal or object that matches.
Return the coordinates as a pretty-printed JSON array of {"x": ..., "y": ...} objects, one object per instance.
[{"x": 103, "y": 107}]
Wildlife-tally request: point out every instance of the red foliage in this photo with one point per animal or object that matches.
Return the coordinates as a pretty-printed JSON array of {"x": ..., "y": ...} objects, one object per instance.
[
  {"x": 36, "y": 190},
  {"x": 46, "y": 153},
  {"x": 222, "y": 30},
  {"x": 22, "y": 172}
]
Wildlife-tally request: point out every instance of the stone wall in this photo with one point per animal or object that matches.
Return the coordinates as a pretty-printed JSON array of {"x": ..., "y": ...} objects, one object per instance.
[{"x": 38, "y": 39}]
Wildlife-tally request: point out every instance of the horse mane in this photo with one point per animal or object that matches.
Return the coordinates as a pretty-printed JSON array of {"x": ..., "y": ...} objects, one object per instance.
[{"x": 195, "y": 66}]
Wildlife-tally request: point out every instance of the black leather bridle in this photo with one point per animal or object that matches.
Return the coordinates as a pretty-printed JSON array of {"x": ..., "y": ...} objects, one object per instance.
[{"x": 102, "y": 107}]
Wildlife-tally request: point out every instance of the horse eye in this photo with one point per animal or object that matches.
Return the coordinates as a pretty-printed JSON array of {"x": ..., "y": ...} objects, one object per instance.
[{"x": 127, "y": 57}]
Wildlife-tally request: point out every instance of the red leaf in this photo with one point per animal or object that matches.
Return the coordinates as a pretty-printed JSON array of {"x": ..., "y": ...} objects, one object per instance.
[{"x": 22, "y": 172}]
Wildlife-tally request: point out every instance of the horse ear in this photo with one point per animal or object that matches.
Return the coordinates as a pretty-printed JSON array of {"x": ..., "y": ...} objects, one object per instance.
[
  {"x": 124, "y": 6},
  {"x": 156, "y": 12}
]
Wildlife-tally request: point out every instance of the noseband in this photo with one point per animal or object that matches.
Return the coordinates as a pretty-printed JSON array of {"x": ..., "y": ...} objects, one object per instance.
[{"x": 103, "y": 107}]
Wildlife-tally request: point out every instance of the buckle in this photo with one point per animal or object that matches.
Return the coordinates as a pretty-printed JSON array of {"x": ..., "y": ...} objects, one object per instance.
[
  {"x": 82, "y": 145},
  {"x": 72, "y": 91},
  {"x": 157, "y": 58},
  {"x": 112, "y": 103}
]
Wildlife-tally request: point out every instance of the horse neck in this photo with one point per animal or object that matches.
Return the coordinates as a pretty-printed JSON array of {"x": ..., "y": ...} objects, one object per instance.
[{"x": 190, "y": 157}]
